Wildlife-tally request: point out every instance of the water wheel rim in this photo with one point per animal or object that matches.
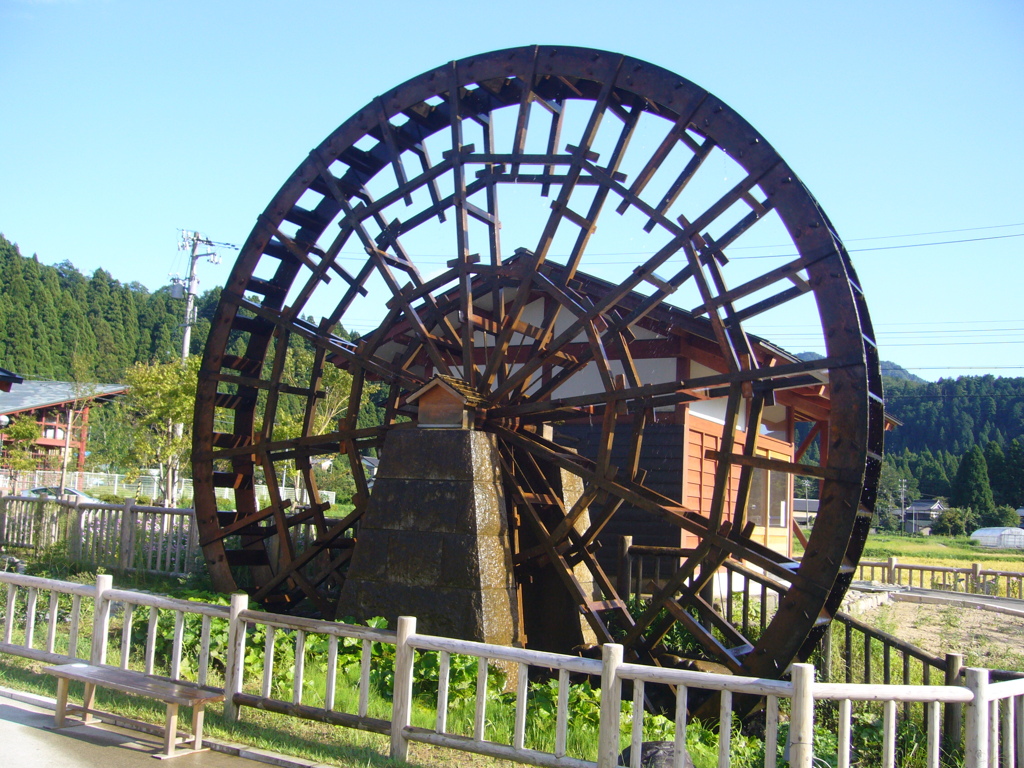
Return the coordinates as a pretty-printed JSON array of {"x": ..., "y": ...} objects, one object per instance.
[{"x": 850, "y": 474}]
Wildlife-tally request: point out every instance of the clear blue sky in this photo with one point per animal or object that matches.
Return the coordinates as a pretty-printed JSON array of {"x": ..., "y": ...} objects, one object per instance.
[{"x": 124, "y": 122}]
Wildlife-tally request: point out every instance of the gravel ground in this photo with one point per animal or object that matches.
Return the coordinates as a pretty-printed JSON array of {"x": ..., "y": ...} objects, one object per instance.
[{"x": 985, "y": 638}]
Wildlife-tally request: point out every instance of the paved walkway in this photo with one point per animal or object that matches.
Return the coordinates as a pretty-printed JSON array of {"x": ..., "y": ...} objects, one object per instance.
[
  {"x": 902, "y": 593},
  {"x": 25, "y": 741},
  {"x": 1008, "y": 605}
]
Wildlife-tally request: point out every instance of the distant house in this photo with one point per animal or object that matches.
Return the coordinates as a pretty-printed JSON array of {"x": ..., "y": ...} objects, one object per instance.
[
  {"x": 53, "y": 404},
  {"x": 805, "y": 511},
  {"x": 921, "y": 513}
]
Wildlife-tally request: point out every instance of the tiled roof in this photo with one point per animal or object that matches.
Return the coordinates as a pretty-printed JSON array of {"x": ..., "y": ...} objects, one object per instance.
[
  {"x": 32, "y": 395},
  {"x": 472, "y": 396},
  {"x": 469, "y": 395}
]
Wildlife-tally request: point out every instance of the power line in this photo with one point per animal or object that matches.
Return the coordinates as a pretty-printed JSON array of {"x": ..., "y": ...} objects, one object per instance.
[
  {"x": 436, "y": 258},
  {"x": 891, "y": 237},
  {"x": 882, "y": 247},
  {"x": 893, "y": 334},
  {"x": 923, "y": 322},
  {"x": 948, "y": 343}
]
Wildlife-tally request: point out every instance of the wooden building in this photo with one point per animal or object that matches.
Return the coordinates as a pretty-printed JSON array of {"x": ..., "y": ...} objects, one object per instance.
[
  {"x": 669, "y": 345},
  {"x": 676, "y": 446},
  {"x": 54, "y": 405}
]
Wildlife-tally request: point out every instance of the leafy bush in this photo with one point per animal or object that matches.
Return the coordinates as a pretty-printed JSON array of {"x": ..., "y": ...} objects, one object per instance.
[{"x": 953, "y": 522}]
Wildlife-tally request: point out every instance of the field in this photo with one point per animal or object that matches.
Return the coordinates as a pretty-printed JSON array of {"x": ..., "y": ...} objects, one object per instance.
[{"x": 960, "y": 552}]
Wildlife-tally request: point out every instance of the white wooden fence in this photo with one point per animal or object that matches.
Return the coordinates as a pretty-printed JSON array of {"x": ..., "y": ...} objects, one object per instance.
[
  {"x": 142, "y": 485},
  {"x": 126, "y": 537},
  {"x": 994, "y": 711}
]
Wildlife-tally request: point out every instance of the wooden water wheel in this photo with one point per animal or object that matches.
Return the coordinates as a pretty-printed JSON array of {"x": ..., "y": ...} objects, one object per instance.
[{"x": 536, "y": 226}]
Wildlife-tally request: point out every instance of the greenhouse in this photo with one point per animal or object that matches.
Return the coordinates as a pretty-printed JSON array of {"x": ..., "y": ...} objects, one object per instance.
[{"x": 1003, "y": 538}]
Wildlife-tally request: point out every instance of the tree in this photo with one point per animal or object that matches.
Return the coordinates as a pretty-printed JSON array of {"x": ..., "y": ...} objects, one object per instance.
[
  {"x": 887, "y": 522},
  {"x": 160, "y": 396},
  {"x": 335, "y": 384},
  {"x": 1014, "y": 474},
  {"x": 997, "y": 478},
  {"x": 971, "y": 487},
  {"x": 1003, "y": 516},
  {"x": 83, "y": 392},
  {"x": 930, "y": 473},
  {"x": 19, "y": 439},
  {"x": 952, "y": 522},
  {"x": 896, "y": 486}
]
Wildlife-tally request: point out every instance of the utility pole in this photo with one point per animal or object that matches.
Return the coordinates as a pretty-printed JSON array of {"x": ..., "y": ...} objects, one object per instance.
[
  {"x": 903, "y": 505},
  {"x": 188, "y": 288}
]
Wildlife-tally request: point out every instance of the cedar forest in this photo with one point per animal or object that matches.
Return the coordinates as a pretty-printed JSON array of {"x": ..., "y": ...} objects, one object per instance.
[{"x": 960, "y": 439}]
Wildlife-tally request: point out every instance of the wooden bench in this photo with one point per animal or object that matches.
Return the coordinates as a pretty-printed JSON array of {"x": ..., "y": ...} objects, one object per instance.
[{"x": 171, "y": 693}]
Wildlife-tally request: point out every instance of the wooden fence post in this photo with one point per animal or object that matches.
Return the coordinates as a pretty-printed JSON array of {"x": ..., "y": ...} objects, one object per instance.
[
  {"x": 65, "y": 516},
  {"x": 892, "y": 569},
  {"x": 36, "y": 531},
  {"x": 401, "y": 711},
  {"x": 234, "y": 672},
  {"x": 100, "y": 619},
  {"x": 1017, "y": 702},
  {"x": 953, "y": 716},
  {"x": 611, "y": 706},
  {"x": 75, "y": 534},
  {"x": 801, "y": 719},
  {"x": 125, "y": 553},
  {"x": 976, "y": 737},
  {"x": 975, "y": 586},
  {"x": 625, "y": 571}
]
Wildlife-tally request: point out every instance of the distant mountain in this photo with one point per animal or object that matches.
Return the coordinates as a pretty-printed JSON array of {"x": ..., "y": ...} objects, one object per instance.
[
  {"x": 894, "y": 371},
  {"x": 809, "y": 356},
  {"x": 949, "y": 414},
  {"x": 890, "y": 369}
]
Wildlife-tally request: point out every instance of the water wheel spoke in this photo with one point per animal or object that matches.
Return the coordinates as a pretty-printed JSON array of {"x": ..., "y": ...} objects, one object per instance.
[
  {"x": 337, "y": 530},
  {"x": 711, "y": 644},
  {"x": 240, "y": 524},
  {"x": 588, "y": 224},
  {"x": 777, "y": 378},
  {"x": 563, "y": 570}
]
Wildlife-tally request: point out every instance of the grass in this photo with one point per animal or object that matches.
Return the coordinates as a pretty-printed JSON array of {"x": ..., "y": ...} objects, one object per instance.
[
  {"x": 348, "y": 747},
  {"x": 948, "y": 551}
]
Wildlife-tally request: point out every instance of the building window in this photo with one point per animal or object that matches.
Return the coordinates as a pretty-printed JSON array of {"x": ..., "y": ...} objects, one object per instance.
[{"x": 769, "y": 499}]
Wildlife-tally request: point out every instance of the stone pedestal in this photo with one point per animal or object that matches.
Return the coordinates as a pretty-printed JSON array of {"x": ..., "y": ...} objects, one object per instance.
[{"x": 434, "y": 540}]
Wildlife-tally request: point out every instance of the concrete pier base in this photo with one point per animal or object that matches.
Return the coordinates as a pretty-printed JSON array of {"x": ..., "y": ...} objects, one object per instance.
[{"x": 434, "y": 540}]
